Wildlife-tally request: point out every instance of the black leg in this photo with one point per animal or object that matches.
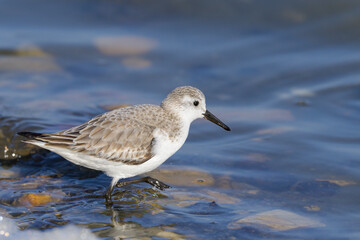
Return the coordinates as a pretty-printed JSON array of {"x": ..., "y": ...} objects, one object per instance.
[
  {"x": 154, "y": 182},
  {"x": 108, "y": 200}
]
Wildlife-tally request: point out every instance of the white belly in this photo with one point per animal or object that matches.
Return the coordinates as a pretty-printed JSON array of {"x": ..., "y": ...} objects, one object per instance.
[{"x": 162, "y": 150}]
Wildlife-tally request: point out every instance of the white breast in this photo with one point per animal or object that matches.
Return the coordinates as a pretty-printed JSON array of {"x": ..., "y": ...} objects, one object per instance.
[{"x": 163, "y": 148}]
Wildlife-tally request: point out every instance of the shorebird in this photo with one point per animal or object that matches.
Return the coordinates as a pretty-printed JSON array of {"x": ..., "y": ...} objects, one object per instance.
[{"x": 130, "y": 141}]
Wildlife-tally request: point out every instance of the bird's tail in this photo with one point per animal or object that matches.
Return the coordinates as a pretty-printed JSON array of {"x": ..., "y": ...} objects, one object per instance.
[
  {"x": 32, "y": 136},
  {"x": 45, "y": 139}
]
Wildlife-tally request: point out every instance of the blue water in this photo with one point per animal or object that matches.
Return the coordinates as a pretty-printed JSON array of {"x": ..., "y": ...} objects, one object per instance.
[{"x": 284, "y": 75}]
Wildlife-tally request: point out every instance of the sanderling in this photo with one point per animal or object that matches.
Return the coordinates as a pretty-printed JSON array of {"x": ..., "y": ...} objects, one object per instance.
[{"x": 130, "y": 141}]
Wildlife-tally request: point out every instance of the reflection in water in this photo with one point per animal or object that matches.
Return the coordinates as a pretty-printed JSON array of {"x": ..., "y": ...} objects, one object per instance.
[{"x": 121, "y": 228}]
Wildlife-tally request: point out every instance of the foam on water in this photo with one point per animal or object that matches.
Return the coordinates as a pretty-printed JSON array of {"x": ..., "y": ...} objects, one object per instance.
[{"x": 9, "y": 230}]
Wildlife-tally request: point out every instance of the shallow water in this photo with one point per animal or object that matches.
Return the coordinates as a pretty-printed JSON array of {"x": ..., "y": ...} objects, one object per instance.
[{"x": 284, "y": 75}]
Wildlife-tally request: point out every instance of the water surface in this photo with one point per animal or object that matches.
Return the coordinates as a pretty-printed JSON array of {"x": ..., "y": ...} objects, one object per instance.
[{"x": 284, "y": 75}]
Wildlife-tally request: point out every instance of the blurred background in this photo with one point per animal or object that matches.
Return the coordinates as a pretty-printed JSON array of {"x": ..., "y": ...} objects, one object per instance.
[{"x": 284, "y": 75}]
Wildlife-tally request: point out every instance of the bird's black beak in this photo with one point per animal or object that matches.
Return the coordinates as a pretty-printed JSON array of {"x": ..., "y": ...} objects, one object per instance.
[{"x": 209, "y": 116}]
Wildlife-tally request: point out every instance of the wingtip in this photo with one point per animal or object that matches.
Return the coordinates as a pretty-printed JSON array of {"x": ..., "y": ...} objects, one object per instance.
[{"x": 30, "y": 135}]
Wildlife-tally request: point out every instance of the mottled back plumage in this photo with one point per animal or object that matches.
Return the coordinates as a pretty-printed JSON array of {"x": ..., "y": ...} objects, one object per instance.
[{"x": 122, "y": 135}]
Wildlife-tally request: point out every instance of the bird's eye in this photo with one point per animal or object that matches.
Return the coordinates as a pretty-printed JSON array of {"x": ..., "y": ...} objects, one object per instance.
[{"x": 196, "y": 103}]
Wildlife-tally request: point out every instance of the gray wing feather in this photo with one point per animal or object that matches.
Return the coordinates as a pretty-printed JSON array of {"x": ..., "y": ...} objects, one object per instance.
[{"x": 116, "y": 136}]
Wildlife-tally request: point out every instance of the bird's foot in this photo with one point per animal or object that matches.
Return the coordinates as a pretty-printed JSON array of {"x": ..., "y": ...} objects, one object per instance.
[{"x": 156, "y": 183}]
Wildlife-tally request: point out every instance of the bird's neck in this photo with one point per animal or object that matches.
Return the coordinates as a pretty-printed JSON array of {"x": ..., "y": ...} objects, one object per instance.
[{"x": 179, "y": 128}]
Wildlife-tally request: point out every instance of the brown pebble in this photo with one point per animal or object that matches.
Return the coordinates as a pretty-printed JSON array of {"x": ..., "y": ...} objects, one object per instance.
[{"x": 35, "y": 199}]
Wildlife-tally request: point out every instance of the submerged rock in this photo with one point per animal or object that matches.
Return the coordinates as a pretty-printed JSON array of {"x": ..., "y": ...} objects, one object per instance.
[
  {"x": 125, "y": 45},
  {"x": 222, "y": 198},
  {"x": 312, "y": 208},
  {"x": 28, "y": 58},
  {"x": 338, "y": 182},
  {"x": 136, "y": 63},
  {"x": 183, "y": 177},
  {"x": 9, "y": 173},
  {"x": 277, "y": 220},
  {"x": 11, "y": 146},
  {"x": 186, "y": 198},
  {"x": 36, "y": 199}
]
